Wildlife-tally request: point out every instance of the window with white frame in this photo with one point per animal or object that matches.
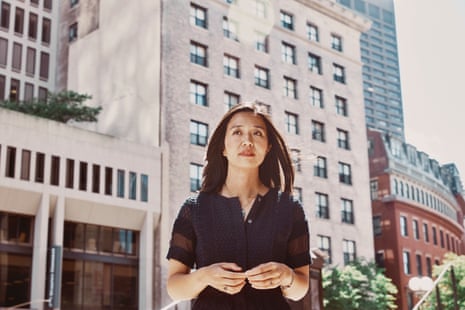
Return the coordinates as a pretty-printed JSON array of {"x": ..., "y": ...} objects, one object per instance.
[
  {"x": 231, "y": 66},
  {"x": 198, "y": 16},
  {"x": 403, "y": 226},
  {"x": 230, "y": 29},
  {"x": 261, "y": 77},
  {"x": 295, "y": 157},
  {"x": 425, "y": 232},
  {"x": 288, "y": 53},
  {"x": 316, "y": 97},
  {"x": 314, "y": 63},
  {"x": 320, "y": 167},
  {"x": 198, "y": 133},
  {"x": 260, "y": 8},
  {"x": 377, "y": 225},
  {"x": 339, "y": 73},
  {"x": 312, "y": 32},
  {"x": 287, "y": 20},
  {"x": 324, "y": 244},
  {"x": 198, "y": 54},
  {"x": 345, "y": 173},
  {"x": 290, "y": 88},
  {"x": 415, "y": 229},
  {"x": 261, "y": 42},
  {"x": 341, "y": 106},
  {"x": 406, "y": 262},
  {"x": 322, "y": 205},
  {"x": 336, "y": 42},
  {"x": 318, "y": 131},
  {"x": 195, "y": 174},
  {"x": 198, "y": 93},
  {"x": 348, "y": 250},
  {"x": 297, "y": 193},
  {"x": 292, "y": 123},
  {"x": 374, "y": 189},
  {"x": 347, "y": 211},
  {"x": 230, "y": 99},
  {"x": 343, "y": 139}
]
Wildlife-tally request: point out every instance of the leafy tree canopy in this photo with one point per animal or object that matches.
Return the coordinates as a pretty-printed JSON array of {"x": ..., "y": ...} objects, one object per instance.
[
  {"x": 62, "y": 107},
  {"x": 358, "y": 285}
]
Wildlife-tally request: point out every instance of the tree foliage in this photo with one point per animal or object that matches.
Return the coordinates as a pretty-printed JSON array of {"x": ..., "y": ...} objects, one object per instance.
[
  {"x": 445, "y": 284},
  {"x": 358, "y": 285},
  {"x": 62, "y": 107}
]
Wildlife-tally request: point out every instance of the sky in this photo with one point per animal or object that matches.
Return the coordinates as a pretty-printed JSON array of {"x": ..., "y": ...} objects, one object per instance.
[{"x": 431, "y": 43}]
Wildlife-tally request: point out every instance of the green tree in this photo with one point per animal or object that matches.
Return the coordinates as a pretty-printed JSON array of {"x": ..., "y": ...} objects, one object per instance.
[
  {"x": 445, "y": 284},
  {"x": 62, "y": 107},
  {"x": 358, "y": 285}
]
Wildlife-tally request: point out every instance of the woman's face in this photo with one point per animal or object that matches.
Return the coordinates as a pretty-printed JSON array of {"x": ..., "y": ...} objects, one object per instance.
[{"x": 246, "y": 140}]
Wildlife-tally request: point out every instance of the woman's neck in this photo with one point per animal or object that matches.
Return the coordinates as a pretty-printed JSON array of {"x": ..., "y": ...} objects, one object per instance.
[{"x": 243, "y": 184}]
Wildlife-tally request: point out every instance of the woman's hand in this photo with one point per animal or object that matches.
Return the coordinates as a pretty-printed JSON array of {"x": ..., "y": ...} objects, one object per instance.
[
  {"x": 270, "y": 275},
  {"x": 225, "y": 277}
]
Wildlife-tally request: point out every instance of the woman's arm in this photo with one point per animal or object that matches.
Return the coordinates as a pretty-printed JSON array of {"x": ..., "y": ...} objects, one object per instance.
[{"x": 186, "y": 284}]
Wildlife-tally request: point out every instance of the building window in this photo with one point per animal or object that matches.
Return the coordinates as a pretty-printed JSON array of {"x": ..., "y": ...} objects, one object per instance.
[
  {"x": 314, "y": 63},
  {"x": 406, "y": 262},
  {"x": 55, "y": 171},
  {"x": 261, "y": 42},
  {"x": 198, "y": 16},
  {"x": 336, "y": 42},
  {"x": 343, "y": 139},
  {"x": 43, "y": 93},
  {"x": 108, "y": 181},
  {"x": 2, "y": 87},
  {"x": 429, "y": 267},
  {"x": 16, "y": 229},
  {"x": 14, "y": 89},
  {"x": 73, "y": 3},
  {"x": 46, "y": 29},
  {"x": 3, "y": 53},
  {"x": 120, "y": 179},
  {"x": 345, "y": 174},
  {"x": 425, "y": 232},
  {"x": 377, "y": 226},
  {"x": 339, "y": 73},
  {"x": 435, "y": 237},
  {"x": 5, "y": 21},
  {"x": 73, "y": 32},
  {"x": 40, "y": 167},
  {"x": 260, "y": 9},
  {"x": 10, "y": 164},
  {"x": 230, "y": 99},
  {"x": 199, "y": 133},
  {"x": 297, "y": 193},
  {"x": 230, "y": 29},
  {"x": 295, "y": 157},
  {"x": 195, "y": 177},
  {"x": 95, "y": 179},
  {"x": 69, "y": 182},
  {"x": 287, "y": 20},
  {"x": 262, "y": 77},
  {"x": 288, "y": 53},
  {"x": 403, "y": 226},
  {"x": 318, "y": 131},
  {"x": 198, "y": 54},
  {"x": 349, "y": 251},
  {"x": 231, "y": 66},
  {"x": 441, "y": 238},
  {"x": 322, "y": 206},
  {"x": 292, "y": 123},
  {"x": 144, "y": 187},
  {"x": 30, "y": 61},
  {"x": 17, "y": 56},
  {"x": 324, "y": 244},
  {"x": 416, "y": 230},
  {"x": 48, "y": 5},
  {"x": 341, "y": 106},
  {"x": 25, "y": 165},
  {"x": 316, "y": 97},
  {"x": 19, "y": 21},
  {"x": 82, "y": 176},
  {"x": 347, "y": 211},
  {"x": 419, "y": 265},
  {"x": 132, "y": 185},
  {"x": 312, "y": 32},
  {"x": 320, "y": 168},
  {"x": 374, "y": 189},
  {"x": 290, "y": 88},
  {"x": 198, "y": 93},
  {"x": 44, "y": 65}
]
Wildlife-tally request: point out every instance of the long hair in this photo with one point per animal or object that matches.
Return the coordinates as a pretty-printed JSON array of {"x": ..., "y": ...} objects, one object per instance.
[{"x": 276, "y": 170}]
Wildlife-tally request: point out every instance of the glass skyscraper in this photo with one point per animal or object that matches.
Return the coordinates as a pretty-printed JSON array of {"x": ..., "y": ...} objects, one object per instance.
[{"x": 381, "y": 76}]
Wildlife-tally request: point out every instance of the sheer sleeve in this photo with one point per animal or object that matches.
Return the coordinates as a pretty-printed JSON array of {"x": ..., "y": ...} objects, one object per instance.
[
  {"x": 298, "y": 249},
  {"x": 183, "y": 239}
]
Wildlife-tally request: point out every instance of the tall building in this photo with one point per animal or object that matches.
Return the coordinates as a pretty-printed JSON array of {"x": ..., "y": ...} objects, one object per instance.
[
  {"x": 28, "y": 48},
  {"x": 381, "y": 75},
  {"x": 418, "y": 211}
]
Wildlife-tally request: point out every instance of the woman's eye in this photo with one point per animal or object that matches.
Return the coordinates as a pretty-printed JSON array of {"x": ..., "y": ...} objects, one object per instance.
[
  {"x": 259, "y": 133},
  {"x": 236, "y": 132}
]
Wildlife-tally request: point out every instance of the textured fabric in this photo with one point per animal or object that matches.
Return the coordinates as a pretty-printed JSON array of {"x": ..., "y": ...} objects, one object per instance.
[{"x": 210, "y": 229}]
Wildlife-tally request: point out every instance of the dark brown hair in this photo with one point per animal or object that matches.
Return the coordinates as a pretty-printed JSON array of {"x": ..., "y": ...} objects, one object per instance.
[{"x": 276, "y": 171}]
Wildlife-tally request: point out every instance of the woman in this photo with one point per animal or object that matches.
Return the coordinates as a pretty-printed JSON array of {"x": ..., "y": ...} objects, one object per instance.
[{"x": 245, "y": 235}]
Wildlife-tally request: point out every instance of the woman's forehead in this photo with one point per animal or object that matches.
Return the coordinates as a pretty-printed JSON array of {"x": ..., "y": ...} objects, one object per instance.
[{"x": 246, "y": 119}]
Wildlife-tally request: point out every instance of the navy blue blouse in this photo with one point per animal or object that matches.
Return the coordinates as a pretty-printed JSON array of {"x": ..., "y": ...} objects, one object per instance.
[{"x": 210, "y": 228}]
